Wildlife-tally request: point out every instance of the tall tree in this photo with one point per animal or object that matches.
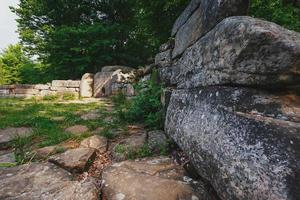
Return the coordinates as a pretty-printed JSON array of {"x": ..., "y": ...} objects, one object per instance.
[
  {"x": 75, "y": 36},
  {"x": 13, "y": 64}
]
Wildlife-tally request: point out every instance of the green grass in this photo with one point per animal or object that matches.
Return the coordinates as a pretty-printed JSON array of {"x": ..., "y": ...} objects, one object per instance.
[
  {"x": 39, "y": 114},
  {"x": 2, "y": 165}
]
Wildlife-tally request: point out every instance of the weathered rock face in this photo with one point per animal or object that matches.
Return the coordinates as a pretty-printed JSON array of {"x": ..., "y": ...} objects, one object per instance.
[
  {"x": 115, "y": 68},
  {"x": 200, "y": 17},
  {"x": 164, "y": 59},
  {"x": 239, "y": 51},
  {"x": 110, "y": 82},
  {"x": 66, "y": 83},
  {"x": 128, "y": 146},
  {"x": 8, "y": 134},
  {"x": 96, "y": 142},
  {"x": 44, "y": 181},
  {"x": 102, "y": 84},
  {"x": 77, "y": 129},
  {"x": 86, "y": 85},
  {"x": 156, "y": 178},
  {"x": 157, "y": 141},
  {"x": 245, "y": 142},
  {"x": 185, "y": 15},
  {"x": 8, "y": 158},
  {"x": 74, "y": 160}
]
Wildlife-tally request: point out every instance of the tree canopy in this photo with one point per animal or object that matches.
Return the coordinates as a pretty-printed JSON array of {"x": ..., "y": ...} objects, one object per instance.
[
  {"x": 77, "y": 36},
  {"x": 16, "y": 67},
  {"x": 71, "y": 37}
]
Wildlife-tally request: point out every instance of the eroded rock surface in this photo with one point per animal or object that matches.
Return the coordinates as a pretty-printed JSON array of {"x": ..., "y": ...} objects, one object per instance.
[
  {"x": 156, "y": 178},
  {"x": 245, "y": 142},
  {"x": 129, "y": 146},
  {"x": 77, "y": 129},
  {"x": 92, "y": 115},
  {"x": 74, "y": 160},
  {"x": 7, "y": 158},
  {"x": 86, "y": 85},
  {"x": 200, "y": 17},
  {"x": 44, "y": 181},
  {"x": 157, "y": 141},
  {"x": 8, "y": 134},
  {"x": 239, "y": 51},
  {"x": 96, "y": 142}
]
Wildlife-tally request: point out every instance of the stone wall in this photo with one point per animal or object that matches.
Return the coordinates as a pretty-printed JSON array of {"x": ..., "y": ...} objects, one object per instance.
[
  {"x": 110, "y": 81},
  {"x": 233, "y": 101},
  {"x": 56, "y": 87}
]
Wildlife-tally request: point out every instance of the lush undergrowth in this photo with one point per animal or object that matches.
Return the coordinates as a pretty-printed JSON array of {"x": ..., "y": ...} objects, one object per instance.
[{"x": 144, "y": 108}]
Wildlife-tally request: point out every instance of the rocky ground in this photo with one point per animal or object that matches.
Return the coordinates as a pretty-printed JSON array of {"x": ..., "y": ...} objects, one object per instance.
[{"x": 97, "y": 167}]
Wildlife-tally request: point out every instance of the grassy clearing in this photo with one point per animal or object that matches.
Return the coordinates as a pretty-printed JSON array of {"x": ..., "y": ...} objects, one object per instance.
[{"x": 49, "y": 118}]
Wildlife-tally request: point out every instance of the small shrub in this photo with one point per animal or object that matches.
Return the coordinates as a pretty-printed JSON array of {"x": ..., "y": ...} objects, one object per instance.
[
  {"x": 120, "y": 148},
  {"x": 20, "y": 145},
  {"x": 144, "y": 108},
  {"x": 108, "y": 134},
  {"x": 119, "y": 99}
]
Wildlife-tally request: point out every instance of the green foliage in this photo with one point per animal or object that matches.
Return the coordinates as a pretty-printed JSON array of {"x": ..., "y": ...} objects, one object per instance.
[
  {"x": 282, "y": 12},
  {"x": 76, "y": 36},
  {"x": 144, "y": 108},
  {"x": 119, "y": 99},
  {"x": 20, "y": 145},
  {"x": 107, "y": 133},
  {"x": 6, "y": 165},
  {"x": 16, "y": 67}
]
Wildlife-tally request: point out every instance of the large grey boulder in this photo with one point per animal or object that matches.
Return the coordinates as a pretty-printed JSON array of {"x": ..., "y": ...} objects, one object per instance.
[
  {"x": 185, "y": 15},
  {"x": 245, "y": 142},
  {"x": 164, "y": 59},
  {"x": 200, "y": 17},
  {"x": 44, "y": 181},
  {"x": 239, "y": 51}
]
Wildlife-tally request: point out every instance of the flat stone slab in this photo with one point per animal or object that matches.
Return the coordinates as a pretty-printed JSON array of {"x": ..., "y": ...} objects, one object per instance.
[
  {"x": 44, "y": 181},
  {"x": 92, "y": 115},
  {"x": 74, "y": 160},
  {"x": 96, "y": 142},
  {"x": 45, "y": 152},
  {"x": 8, "y": 134},
  {"x": 77, "y": 129},
  {"x": 128, "y": 145},
  {"x": 156, "y": 178}
]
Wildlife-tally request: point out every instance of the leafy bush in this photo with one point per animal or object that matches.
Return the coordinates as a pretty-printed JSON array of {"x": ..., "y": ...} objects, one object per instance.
[
  {"x": 144, "y": 108},
  {"x": 281, "y": 12}
]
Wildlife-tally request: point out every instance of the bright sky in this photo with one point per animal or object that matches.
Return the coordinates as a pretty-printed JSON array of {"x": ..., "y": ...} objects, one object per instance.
[{"x": 8, "y": 25}]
